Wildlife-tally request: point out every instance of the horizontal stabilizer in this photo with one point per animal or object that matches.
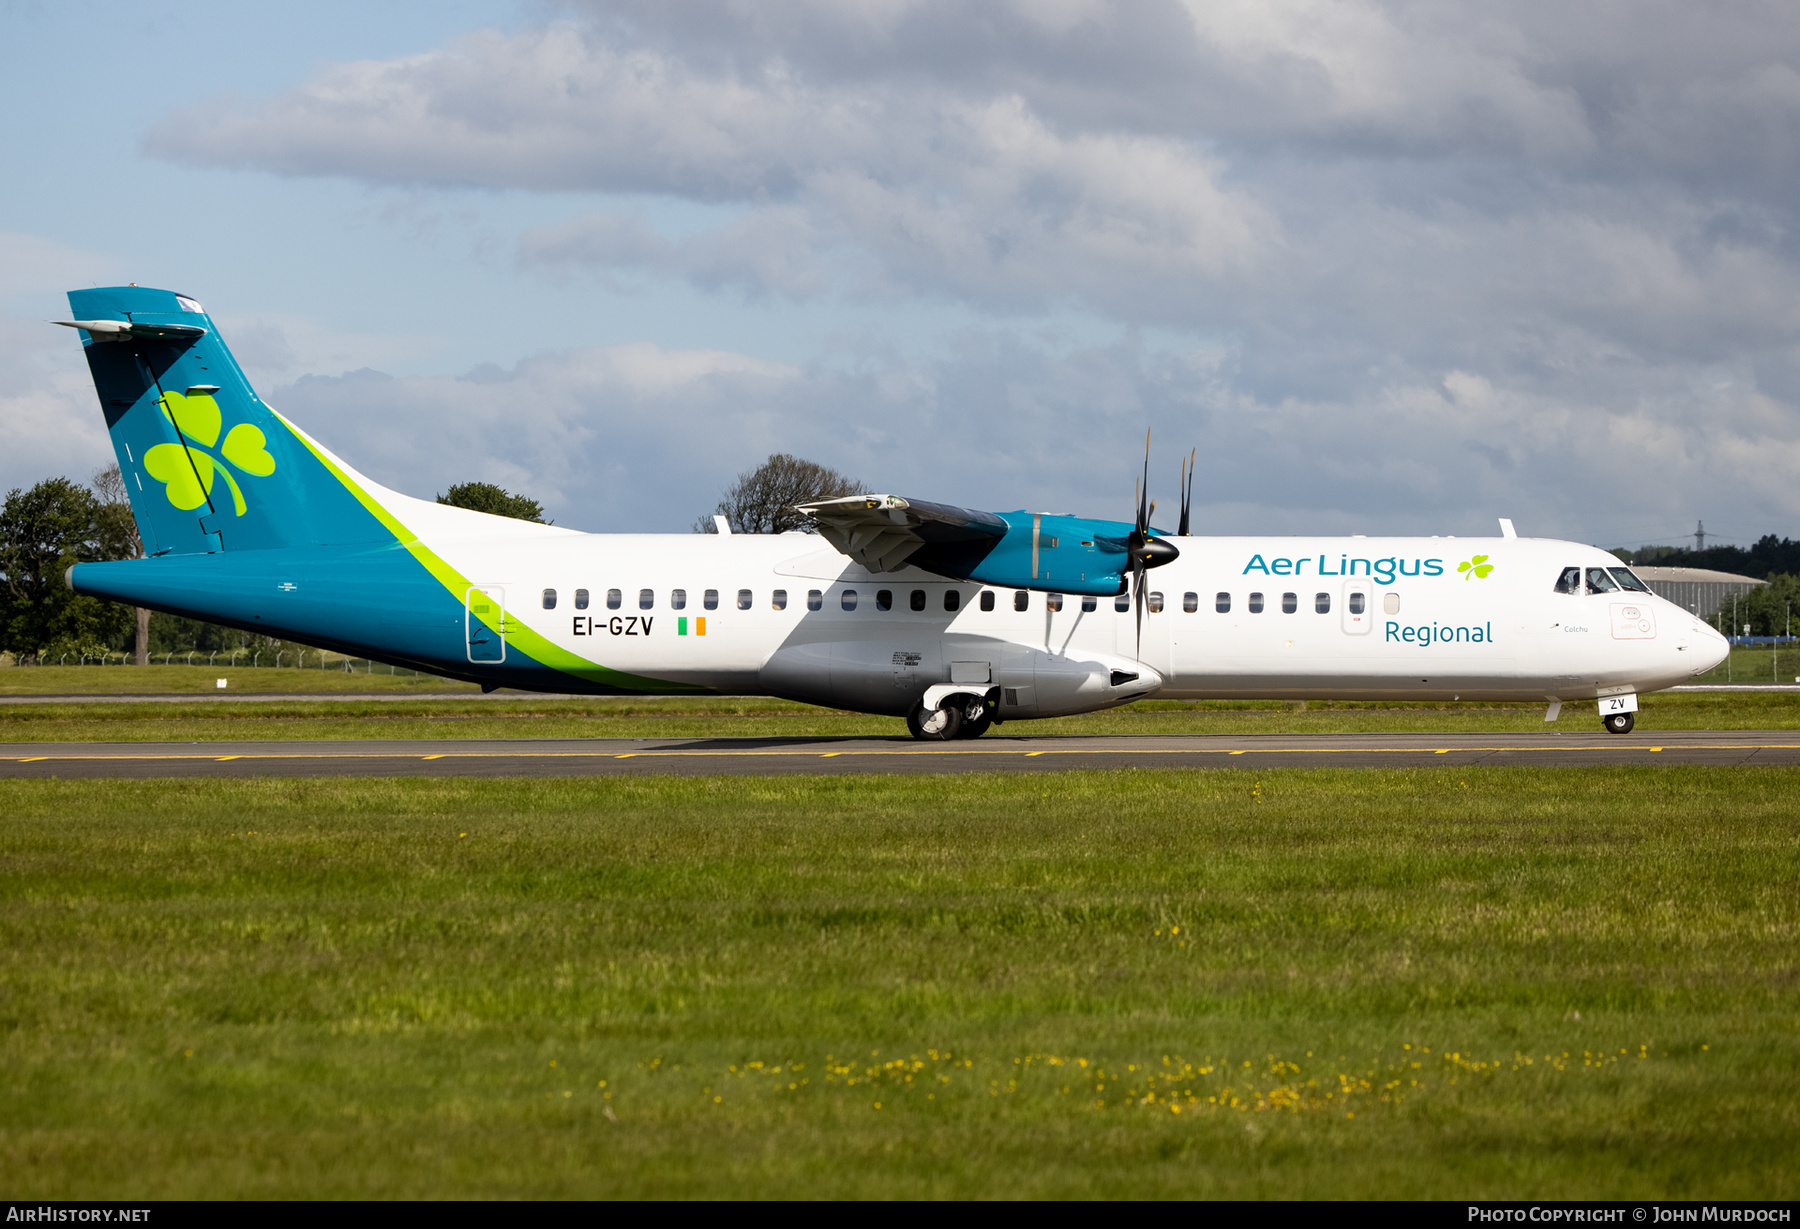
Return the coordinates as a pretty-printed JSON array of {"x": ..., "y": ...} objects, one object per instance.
[{"x": 120, "y": 330}]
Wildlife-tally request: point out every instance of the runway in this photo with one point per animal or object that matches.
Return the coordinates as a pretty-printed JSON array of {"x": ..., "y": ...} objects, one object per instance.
[{"x": 784, "y": 756}]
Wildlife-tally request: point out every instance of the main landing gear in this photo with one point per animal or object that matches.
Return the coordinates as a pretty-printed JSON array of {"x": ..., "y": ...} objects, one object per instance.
[
  {"x": 960, "y": 716},
  {"x": 1620, "y": 723}
]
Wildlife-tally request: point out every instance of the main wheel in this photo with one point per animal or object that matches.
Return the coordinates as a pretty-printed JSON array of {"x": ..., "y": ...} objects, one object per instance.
[
  {"x": 1620, "y": 723},
  {"x": 934, "y": 725},
  {"x": 976, "y": 716}
]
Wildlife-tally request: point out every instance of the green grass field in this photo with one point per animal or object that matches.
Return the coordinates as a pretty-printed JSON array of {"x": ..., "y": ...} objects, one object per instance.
[
  {"x": 724, "y": 717},
  {"x": 1444, "y": 983}
]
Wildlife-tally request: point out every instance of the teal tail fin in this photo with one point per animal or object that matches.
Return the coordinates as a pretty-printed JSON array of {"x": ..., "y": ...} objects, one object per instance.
[{"x": 207, "y": 464}]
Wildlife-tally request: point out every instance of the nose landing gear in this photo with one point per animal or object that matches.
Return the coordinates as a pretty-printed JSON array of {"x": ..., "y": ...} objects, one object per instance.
[
  {"x": 1620, "y": 723},
  {"x": 959, "y": 716}
]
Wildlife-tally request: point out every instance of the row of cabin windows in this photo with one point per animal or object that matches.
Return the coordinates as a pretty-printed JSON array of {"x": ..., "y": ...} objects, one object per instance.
[
  {"x": 848, "y": 598},
  {"x": 884, "y": 600},
  {"x": 1599, "y": 580},
  {"x": 1290, "y": 602}
]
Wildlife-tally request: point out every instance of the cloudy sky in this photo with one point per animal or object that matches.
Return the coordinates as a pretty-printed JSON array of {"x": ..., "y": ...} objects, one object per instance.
[{"x": 1391, "y": 268}]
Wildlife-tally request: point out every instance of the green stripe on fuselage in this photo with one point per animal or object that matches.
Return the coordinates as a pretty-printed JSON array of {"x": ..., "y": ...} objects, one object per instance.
[{"x": 517, "y": 635}]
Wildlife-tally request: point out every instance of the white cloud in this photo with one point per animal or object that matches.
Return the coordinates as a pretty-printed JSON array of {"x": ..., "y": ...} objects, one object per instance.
[
  {"x": 1426, "y": 257},
  {"x": 50, "y": 420},
  {"x": 638, "y": 438}
]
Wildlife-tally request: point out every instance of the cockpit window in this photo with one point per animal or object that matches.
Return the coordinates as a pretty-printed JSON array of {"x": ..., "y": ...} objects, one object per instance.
[
  {"x": 1569, "y": 581},
  {"x": 1600, "y": 582},
  {"x": 1628, "y": 580}
]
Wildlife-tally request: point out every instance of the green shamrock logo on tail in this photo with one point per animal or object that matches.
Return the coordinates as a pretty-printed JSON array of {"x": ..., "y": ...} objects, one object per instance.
[
  {"x": 187, "y": 472},
  {"x": 1478, "y": 566}
]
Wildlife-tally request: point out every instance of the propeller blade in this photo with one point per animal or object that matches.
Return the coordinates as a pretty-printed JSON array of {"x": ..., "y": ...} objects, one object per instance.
[
  {"x": 1138, "y": 583},
  {"x": 1143, "y": 510},
  {"x": 1187, "y": 491}
]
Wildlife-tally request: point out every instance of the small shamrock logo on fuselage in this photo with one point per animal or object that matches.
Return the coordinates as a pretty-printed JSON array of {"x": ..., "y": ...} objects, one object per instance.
[
  {"x": 187, "y": 472},
  {"x": 1478, "y": 566}
]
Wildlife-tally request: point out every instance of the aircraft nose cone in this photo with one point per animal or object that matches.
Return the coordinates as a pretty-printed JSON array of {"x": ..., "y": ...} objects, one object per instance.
[
  {"x": 1158, "y": 551},
  {"x": 1711, "y": 648}
]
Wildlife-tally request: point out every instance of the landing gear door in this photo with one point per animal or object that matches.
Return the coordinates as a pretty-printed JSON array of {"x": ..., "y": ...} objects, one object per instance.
[
  {"x": 484, "y": 616},
  {"x": 1359, "y": 605}
]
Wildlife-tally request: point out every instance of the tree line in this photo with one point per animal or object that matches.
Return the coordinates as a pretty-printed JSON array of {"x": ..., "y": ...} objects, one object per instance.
[
  {"x": 1770, "y": 557},
  {"x": 50, "y": 527}
]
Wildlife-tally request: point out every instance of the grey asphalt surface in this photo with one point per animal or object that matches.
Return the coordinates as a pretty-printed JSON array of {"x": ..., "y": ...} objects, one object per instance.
[
  {"x": 252, "y": 697},
  {"x": 783, "y": 756}
]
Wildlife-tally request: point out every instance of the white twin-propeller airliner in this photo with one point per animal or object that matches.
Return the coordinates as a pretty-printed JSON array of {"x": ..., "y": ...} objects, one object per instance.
[{"x": 952, "y": 618}]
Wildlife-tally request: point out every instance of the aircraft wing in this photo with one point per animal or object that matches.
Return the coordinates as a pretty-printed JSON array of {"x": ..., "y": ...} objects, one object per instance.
[{"x": 883, "y": 532}]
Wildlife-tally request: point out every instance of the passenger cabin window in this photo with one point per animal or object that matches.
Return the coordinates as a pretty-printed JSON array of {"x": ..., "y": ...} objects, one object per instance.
[
  {"x": 987, "y": 599},
  {"x": 614, "y": 599},
  {"x": 646, "y": 599},
  {"x": 1322, "y": 603},
  {"x": 1089, "y": 604},
  {"x": 710, "y": 599},
  {"x": 1022, "y": 600},
  {"x": 1569, "y": 581},
  {"x": 549, "y": 599},
  {"x": 849, "y": 599},
  {"x": 1290, "y": 602},
  {"x": 1256, "y": 603},
  {"x": 1600, "y": 582},
  {"x": 814, "y": 599},
  {"x": 884, "y": 599},
  {"x": 1222, "y": 603},
  {"x": 1390, "y": 602},
  {"x": 1053, "y": 602},
  {"x": 1122, "y": 603},
  {"x": 1628, "y": 580},
  {"x": 1357, "y": 603},
  {"x": 581, "y": 599},
  {"x": 743, "y": 599},
  {"x": 778, "y": 600},
  {"x": 952, "y": 599},
  {"x": 917, "y": 600},
  {"x": 677, "y": 599},
  {"x": 1190, "y": 602},
  {"x": 1156, "y": 602}
]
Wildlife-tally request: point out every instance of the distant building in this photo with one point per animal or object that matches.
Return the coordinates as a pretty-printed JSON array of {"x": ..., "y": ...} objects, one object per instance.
[{"x": 1697, "y": 589}]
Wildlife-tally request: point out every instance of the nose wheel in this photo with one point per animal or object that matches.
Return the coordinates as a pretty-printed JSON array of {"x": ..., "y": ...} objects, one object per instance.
[
  {"x": 1620, "y": 723},
  {"x": 934, "y": 725},
  {"x": 977, "y": 716}
]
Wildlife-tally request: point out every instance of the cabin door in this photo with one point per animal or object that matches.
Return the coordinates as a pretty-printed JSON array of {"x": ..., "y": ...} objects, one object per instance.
[{"x": 484, "y": 617}]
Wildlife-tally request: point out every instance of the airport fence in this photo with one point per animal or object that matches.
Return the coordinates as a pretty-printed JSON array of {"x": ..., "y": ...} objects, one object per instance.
[{"x": 256, "y": 659}]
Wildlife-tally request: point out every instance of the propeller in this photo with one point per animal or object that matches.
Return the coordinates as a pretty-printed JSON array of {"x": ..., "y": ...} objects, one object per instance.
[
  {"x": 1187, "y": 491},
  {"x": 1144, "y": 551}
]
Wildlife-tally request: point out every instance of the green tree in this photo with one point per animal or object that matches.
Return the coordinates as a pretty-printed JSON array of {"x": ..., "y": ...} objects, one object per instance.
[
  {"x": 486, "y": 497},
  {"x": 762, "y": 499},
  {"x": 43, "y": 532},
  {"x": 119, "y": 539},
  {"x": 1766, "y": 608}
]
